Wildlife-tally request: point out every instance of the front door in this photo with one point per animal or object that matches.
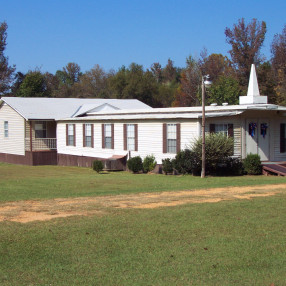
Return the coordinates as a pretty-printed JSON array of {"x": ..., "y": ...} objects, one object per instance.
[
  {"x": 263, "y": 140},
  {"x": 257, "y": 138}
]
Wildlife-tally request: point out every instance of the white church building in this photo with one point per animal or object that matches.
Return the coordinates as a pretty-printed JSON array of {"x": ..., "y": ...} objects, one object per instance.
[{"x": 65, "y": 131}]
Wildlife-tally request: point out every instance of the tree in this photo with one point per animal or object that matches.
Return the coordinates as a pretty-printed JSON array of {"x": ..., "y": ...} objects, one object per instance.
[
  {"x": 216, "y": 65},
  {"x": 6, "y": 71},
  {"x": 169, "y": 72},
  {"x": 94, "y": 83},
  {"x": 156, "y": 69},
  {"x": 33, "y": 85},
  {"x": 246, "y": 41},
  {"x": 134, "y": 82},
  {"x": 72, "y": 73},
  {"x": 186, "y": 94},
  {"x": 267, "y": 82},
  {"x": 119, "y": 82},
  {"x": 18, "y": 79},
  {"x": 224, "y": 89},
  {"x": 52, "y": 84},
  {"x": 68, "y": 77},
  {"x": 278, "y": 50}
]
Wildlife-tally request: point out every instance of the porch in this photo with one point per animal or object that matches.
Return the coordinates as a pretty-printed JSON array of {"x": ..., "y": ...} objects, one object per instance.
[{"x": 40, "y": 136}]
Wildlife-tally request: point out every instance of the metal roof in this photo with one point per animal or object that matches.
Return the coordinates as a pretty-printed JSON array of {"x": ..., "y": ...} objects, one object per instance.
[
  {"x": 58, "y": 108},
  {"x": 176, "y": 112}
]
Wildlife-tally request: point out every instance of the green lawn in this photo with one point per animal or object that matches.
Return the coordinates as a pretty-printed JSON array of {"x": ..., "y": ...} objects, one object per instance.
[
  {"x": 41, "y": 182},
  {"x": 240, "y": 242},
  {"x": 228, "y": 243}
]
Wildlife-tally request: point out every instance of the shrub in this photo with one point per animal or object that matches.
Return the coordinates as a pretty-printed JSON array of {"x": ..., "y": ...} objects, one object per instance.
[
  {"x": 231, "y": 167},
  {"x": 149, "y": 163},
  {"x": 135, "y": 164},
  {"x": 167, "y": 166},
  {"x": 218, "y": 149},
  {"x": 252, "y": 164},
  {"x": 183, "y": 162},
  {"x": 97, "y": 166}
]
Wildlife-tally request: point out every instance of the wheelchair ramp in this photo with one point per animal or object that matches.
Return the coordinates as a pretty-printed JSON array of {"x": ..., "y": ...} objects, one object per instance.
[{"x": 274, "y": 169}]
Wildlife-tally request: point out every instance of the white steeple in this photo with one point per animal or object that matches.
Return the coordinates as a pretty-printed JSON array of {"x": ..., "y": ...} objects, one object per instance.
[{"x": 253, "y": 95}]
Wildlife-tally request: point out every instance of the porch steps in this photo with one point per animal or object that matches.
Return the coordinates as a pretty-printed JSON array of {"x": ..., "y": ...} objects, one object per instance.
[{"x": 274, "y": 169}]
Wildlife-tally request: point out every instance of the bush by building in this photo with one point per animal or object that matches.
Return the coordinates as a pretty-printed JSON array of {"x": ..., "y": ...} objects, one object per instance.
[
  {"x": 97, "y": 166},
  {"x": 167, "y": 166},
  {"x": 252, "y": 164},
  {"x": 135, "y": 164},
  {"x": 149, "y": 163},
  {"x": 183, "y": 162}
]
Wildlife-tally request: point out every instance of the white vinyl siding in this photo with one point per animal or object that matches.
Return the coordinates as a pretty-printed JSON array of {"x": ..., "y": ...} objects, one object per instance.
[
  {"x": 150, "y": 140},
  {"x": 12, "y": 136}
]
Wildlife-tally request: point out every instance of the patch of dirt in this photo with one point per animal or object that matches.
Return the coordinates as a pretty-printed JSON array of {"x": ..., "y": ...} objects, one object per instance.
[{"x": 41, "y": 210}]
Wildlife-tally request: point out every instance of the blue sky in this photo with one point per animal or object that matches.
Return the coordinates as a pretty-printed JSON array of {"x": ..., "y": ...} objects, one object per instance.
[{"x": 49, "y": 34}]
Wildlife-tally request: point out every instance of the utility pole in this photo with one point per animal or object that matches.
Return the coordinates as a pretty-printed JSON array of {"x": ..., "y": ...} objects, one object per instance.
[{"x": 205, "y": 83}]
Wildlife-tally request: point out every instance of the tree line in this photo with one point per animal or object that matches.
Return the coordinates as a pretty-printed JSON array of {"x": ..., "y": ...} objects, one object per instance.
[{"x": 164, "y": 86}]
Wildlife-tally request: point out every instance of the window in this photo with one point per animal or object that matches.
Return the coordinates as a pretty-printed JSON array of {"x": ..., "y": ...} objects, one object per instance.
[
  {"x": 172, "y": 138},
  {"x": 70, "y": 134},
  {"x": 40, "y": 129},
  {"x": 223, "y": 128},
  {"x": 282, "y": 138},
  {"x": 131, "y": 137},
  {"x": 6, "y": 130},
  {"x": 87, "y": 135},
  {"x": 107, "y": 136}
]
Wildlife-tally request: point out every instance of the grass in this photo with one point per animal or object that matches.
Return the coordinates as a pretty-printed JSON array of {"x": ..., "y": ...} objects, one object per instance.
[
  {"x": 238, "y": 242},
  {"x": 47, "y": 182}
]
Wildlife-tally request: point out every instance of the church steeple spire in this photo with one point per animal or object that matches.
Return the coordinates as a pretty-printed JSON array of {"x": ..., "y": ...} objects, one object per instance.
[{"x": 253, "y": 95}]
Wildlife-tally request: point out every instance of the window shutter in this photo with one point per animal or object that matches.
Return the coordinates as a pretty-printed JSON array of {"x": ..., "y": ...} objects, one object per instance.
[
  {"x": 102, "y": 136},
  {"x": 230, "y": 130},
  {"x": 212, "y": 128},
  {"x": 112, "y": 136},
  {"x": 74, "y": 143},
  {"x": 125, "y": 136},
  {"x": 67, "y": 139},
  {"x": 282, "y": 138},
  {"x": 164, "y": 137},
  {"x": 92, "y": 136},
  {"x": 136, "y": 136},
  {"x": 178, "y": 135},
  {"x": 83, "y": 135}
]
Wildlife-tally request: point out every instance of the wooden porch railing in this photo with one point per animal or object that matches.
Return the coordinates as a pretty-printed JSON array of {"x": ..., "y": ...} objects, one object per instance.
[{"x": 41, "y": 144}]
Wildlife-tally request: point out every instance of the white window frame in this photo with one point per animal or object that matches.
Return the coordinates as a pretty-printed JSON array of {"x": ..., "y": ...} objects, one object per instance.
[
  {"x": 172, "y": 138},
  {"x": 88, "y": 135},
  {"x": 107, "y": 136},
  {"x": 221, "y": 128},
  {"x": 130, "y": 137},
  {"x": 70, "y": 135}
]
